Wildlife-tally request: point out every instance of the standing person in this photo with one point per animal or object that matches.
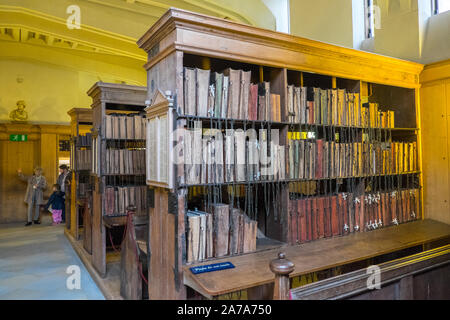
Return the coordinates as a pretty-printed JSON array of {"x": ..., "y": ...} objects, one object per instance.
[
  {"x": 57, "y": 202},
  {"x": 34, "y": 195},
  {"x": 63, "y": 176}
]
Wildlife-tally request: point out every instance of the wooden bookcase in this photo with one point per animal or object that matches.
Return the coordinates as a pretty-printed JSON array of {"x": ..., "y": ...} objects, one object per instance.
[
  {"x": 80, "y": 125},
  {"x": 120, "y": 100},
  {"x": 181, "y": 39}
]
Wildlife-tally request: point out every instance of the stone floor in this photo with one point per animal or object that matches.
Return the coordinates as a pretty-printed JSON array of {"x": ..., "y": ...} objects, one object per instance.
[{"x": 34, "y": 261}]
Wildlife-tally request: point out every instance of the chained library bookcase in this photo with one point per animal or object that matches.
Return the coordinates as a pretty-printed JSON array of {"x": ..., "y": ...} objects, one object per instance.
[
  {"x": 117, "y": 173},
  {"x": 78, "y": 220},
  {"x": 347, "y": 180}
]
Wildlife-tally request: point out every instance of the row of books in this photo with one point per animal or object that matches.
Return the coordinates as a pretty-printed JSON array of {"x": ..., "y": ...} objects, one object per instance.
[
  {"x": 83, "y": 159},
  {"x": 327, "y": 216},
  {"x": 126, "y": 127},
  {"x": 117, "y": 199},
  {"x": 324, "y": 159},
  {"x": 84, "y": 140},
  {"x": 307, "y": 105},
  {"x": 124, "y": 161},
  {"x": 229, "y": 95},
  {"x": 231, "y": 159},
  {"x": 222, "y": 231}
]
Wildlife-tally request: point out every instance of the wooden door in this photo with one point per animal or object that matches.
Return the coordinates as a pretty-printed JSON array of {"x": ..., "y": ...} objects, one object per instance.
[{"x": 14, "y": 155}]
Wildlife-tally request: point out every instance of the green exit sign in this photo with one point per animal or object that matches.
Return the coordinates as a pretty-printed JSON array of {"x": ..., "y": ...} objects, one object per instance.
[{"x": 18, "y": 137}]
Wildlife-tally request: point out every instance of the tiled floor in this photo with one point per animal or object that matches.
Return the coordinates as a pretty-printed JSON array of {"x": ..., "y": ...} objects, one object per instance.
[{"x": 33, "y": 264}]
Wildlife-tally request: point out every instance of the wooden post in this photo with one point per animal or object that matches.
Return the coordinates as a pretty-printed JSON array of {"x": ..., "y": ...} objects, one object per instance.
[{"x": 282, "y": 267}]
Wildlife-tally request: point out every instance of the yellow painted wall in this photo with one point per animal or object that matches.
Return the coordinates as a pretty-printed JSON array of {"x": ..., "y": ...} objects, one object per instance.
[
  {"x": 435, "y": 127},
  {"x": 323, "y": 20}
]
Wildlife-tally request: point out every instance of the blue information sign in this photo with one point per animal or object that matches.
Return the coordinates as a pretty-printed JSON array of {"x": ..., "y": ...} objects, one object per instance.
[{"x": 212, "y": 267}]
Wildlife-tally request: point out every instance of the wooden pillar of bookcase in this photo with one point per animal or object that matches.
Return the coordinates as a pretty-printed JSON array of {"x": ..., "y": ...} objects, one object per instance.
[{"x": 80, "y": 118}]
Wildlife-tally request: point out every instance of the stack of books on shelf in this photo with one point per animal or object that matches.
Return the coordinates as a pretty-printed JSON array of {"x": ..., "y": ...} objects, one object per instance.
[
  {"x": 84, "y": 140},
  {"x": 220, "y": 232},
  {"x": 312, "y": 218},
  {"x": 125, "y": 126},
  {"x": 211, "y": 157},
  {"x": 125, "y": 161},
  {"x": 229, "y": 95},
  {"x": 83, "y": 159},
  {"x": 117, "y": 199},
  {"x": 319, "y": 159},
  {"x": 337, "y": 107}
]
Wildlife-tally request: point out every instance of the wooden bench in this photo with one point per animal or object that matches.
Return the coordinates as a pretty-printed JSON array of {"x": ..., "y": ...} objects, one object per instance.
[{"x": 425, "y": 275}]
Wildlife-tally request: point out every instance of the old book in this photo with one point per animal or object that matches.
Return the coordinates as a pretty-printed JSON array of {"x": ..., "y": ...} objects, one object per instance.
[
  {"x": 234, "y": 92},
  {"x": 290, "y": 104},
  {"x": 115, "y": 130},
  {"x": 323, "y": 106},
  {"x": 209, "y": 236},
  {"x": 236, "y": 216},
  {"x": 240, "y": 154},
  {"x": 108, "y": 127},
  {"x": 310, "y": 109},
  {"x": 291, "y": 164},
  {"x": 335, "y": 218},
  {"x": 253, "y": 102},
  {"x": 244, "y": 95},
  {"x": 308, "y": 219},
  {"x": 122, "y": 127},
  {"x": 197, "y": 154},
  {"x": 261, "y": 108},
  {"x": 211, "y": 100},
  {"x": 327, "y": 216},
  {"x": 229, "y": 156},
  {"x": 221, "y": 229},
  {"x": 219, "y": 158},
  {"x": 137, "y": 124},
  {"x": 193, "y": 241},
  {"x": 303, "y": 106},
  {"x": 109, "y": 201},
  {"x": 273, "y": 108},
  {"x": 319, "y": 157},
  {"x": 224, "y": 102},
  {"x": 218, "y": 83},
  {"x": 190, "y": 92},
  {"x": 250, "y": 230},
  {"x": 314, "y": 219},
  {"x": 317, "y": 106},
  {"x": 301, "y": 223},
  {"x": 301, "y": 159},
  {"x": 203, "y": 165},
  {"x": 320, "y": 217},
  {"x": 297, "y": 95},
  {"x": 202, "y": 87},
  {"x": 130, "y": 127},
  {"x": 293, "y": 221}
]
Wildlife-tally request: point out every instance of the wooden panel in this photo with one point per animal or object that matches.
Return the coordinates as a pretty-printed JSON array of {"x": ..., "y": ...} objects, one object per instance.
[
  {"x": 87, "y": 229},
  {"x": 433, "y": 284},
  {"x": 253, "y": 269},
  {"x": 15, "y": 155},
  {"x": 49, "y": 159},
  {"x": 435, "y": 152}
]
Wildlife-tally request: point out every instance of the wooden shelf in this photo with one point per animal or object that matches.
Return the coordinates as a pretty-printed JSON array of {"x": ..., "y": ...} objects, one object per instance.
[
  {"x": 253, "y": 269},
  {"x": 294, "y": 180}
]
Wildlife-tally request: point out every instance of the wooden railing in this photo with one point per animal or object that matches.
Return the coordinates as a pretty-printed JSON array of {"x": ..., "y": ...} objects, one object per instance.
[{"x": 425, "y": 275}]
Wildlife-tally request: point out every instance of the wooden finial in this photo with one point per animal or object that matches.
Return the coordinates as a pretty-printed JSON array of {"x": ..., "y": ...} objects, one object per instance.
[{"x": 282, "y": 267}]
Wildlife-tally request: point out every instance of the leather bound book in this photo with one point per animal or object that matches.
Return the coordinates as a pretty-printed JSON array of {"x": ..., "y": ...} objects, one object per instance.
[
  {"x": 290, "y": 116},
  {"x": 196, "y": 238},
  {"x": 297, "y": 95},
  {"x": 386, "y": 220},
  {"x": 303, "y": 106},
  {"x": 202, "y": 86},
  {"x": 319, "y": 157},
  {"x": 323, "y": 106},
  {"x": 203, "y": 165},
  {"x": 291, "y": 164},
  {"x": 244, "y": 94},
  {"x": 236, "y": 215},
  {"x": 218, "y": 85},
  {"x": 296, "y": 158},
  {"x": 109, "y": 201},
  {"x": 261, "y": 108},
  {"x": 417, "y": 214},
  {"x": 221, "y": 229},
  {"x": 310, "y": 109},
  {"x": 219, "y": 159},
  {"x": 137, "y": 124},
  {"x": 209, "y": 236},
  {"x": 362, "y": 216},
  {"x": 379, "y": 209},
  {"x": 301, "y": 159},
  {"x": 253, "y": 102},
  {"x": 108, "y": 127},
  {"x": 320, "y": 217},
  {"x": 122, "y": 127},
  {"x": 356, "y": 211},
  {"x": 250, "y": 228},
  {"x": 190, "y": 91},
  {"x": 115, "y": 127},
  {"x": 393, "y": 207},
  {"x": 314, "y": 219},
  {"x": 317, "y": 109},
  {"x": 308, "y": 219},
  {"x": 327, "y": 216},
  {"x": 130, "y": 127},
  {"x": 229, "y": 156},
  {"x": 407, "y": 206},
  {"x": 116, "y": 201},
  {"x": 341, "y": 107},
  {"x": 293, "y": 221},
  {"x": 335, "y": 217},
  {"x": 301, "y": 222},
  {"x": 334, "y": 107},
  {"x": 240, "y": 154},
  {"x": 234, "y": 84}
]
